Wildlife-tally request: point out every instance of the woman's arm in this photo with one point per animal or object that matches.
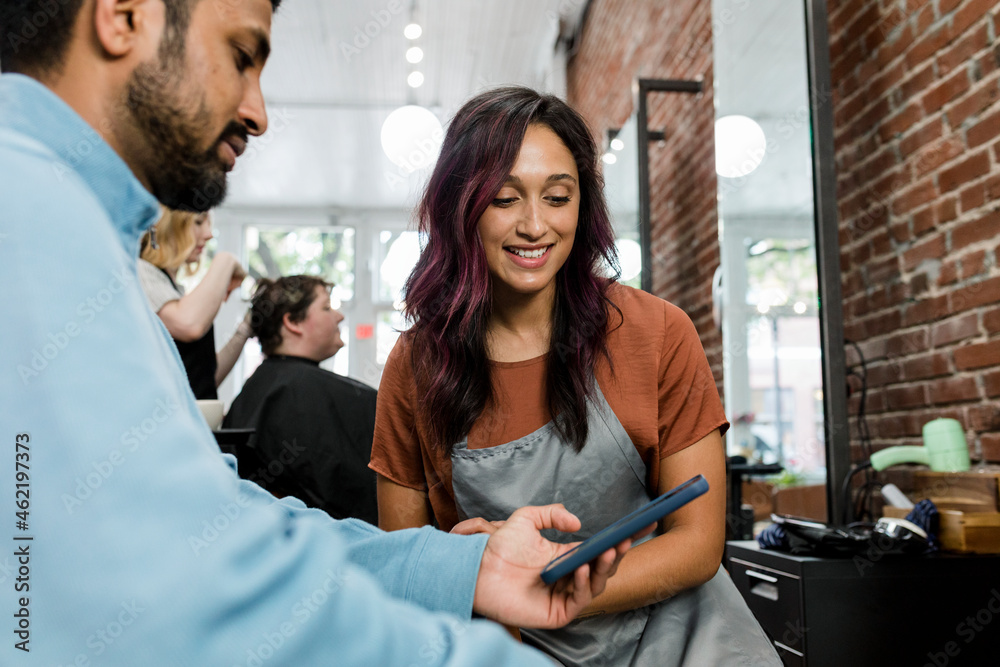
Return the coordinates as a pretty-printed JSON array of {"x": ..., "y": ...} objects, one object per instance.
[
  {"x": 188, "y": 318},
  {"x": 690, "y": 550},
  {"x": 226, "y": 358},
  {"x": 401, "y": 507}
]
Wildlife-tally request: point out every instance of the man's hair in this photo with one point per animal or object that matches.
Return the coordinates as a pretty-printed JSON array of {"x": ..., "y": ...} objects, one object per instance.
[
  {"x": 34, "y": 34},
  {"x": 272, "y": 299}
]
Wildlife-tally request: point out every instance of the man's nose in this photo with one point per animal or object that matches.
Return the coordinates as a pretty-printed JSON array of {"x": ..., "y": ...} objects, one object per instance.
[{"x": 252, "y": 110}]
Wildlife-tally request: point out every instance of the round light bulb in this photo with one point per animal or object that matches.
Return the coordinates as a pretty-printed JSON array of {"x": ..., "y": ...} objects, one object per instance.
[
  {"x": 740, "y": 146},
  {"x": 411, "y": 137},
  {"x": 414, "y": 54},
  {"x": 617, "y": 144},
  {"x": 610, "y": 158},
  {"x": 412, "y": 31},
  {"x": 416, "y": 79}
]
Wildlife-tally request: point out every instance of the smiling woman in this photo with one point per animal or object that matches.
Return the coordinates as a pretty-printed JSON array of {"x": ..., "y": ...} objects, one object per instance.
[{"x": 529, "y": 377}]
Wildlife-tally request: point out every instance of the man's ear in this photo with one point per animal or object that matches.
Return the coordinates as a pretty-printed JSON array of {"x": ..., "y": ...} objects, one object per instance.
[
  {"x": 293, "y": 327},
  {"x": 121, "y": 26}
]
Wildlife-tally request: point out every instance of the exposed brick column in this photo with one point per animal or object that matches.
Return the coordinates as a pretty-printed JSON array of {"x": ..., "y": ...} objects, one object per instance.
[
  {"x": 917, "y": 133},
  {"x": 624, "y": 40}
]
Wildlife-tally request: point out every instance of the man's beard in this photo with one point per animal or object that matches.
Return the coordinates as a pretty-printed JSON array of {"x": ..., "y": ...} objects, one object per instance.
[{"x": 182, "y": 175}]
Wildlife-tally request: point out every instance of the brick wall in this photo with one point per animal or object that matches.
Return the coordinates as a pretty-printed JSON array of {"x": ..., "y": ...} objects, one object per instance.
[
  {"x": 917, "y": 134},
  {"x": 624, "y": 40}
]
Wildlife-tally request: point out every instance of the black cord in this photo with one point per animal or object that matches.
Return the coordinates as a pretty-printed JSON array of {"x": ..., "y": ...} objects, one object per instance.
[
  {"x": 846, "y": 491},
  {"x": 864, "y": 506}
]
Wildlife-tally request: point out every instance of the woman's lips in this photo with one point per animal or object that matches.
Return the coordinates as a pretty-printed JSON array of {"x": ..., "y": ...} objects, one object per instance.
[{"x": 529, "y": 262}]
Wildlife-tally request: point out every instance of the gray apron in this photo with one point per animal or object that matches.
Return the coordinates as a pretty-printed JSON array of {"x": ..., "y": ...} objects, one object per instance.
[{"x": 706, "y": 626}]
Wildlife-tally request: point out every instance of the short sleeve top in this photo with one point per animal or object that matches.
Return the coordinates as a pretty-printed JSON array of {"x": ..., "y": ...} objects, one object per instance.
[
  {"x": 659, "y": 385},
  {"x": 157, "y": 286}
]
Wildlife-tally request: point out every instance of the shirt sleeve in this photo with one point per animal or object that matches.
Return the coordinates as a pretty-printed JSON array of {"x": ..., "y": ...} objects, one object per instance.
[
  {"x": 147, "y": 548},
  {"x": 689, "y": 403},
  {"x": 156, "y": 286},
  {"x": 396, "y": 446}
]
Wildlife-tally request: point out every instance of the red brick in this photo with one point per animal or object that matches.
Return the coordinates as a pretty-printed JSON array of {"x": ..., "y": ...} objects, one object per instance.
[
  {"x": 881, "y": 374},
  {"x": 925, "y": 310},
  {"x": 932, "y": 248},
  {"x": 953, "y": 390},
  {"x": 978, "y": 355},
  {"x": 896, "y": 45},
  {"x": 949, "y": 274},
  {"x": 934, "y": 156},
  {"x": 881, "y": 243},
  {"x": 972, "y": 197},
  {"x": 901, "y": 121},
  {"x": 918, "y": 82},
  {"x": 975, "y": 295},
  {"x": 899, "y": 425},
  {"x": 906, "y": 396},
  {"x": 990, "y": 446},
  {"x": 982, "y": 97},
  {"x": 983, "y": 131},
  {"x": 914, "y": 197},
  {"x": 973, "y": 264},
  {"x": 908, "y": 343},
  {"x": 985, "y": 228},
  {"x": 947, "y": 91},
  {"x": 991, "y": 382},
  {"x": 921, "y": 136},
  {"x": 926, "y": 46},
  {"x": 971, "y": 13},
  {"x": 927, "y": 366},
  {"x": 923, "y": 221},
  {"x": 882, "y": 271},
  {"x": 964, "y": 172},
  {"x": 981, "y": 418},
  {"x": 918, "y": 285},
  {"x": 955, "y": 329},
  {"x": 960, "y": 53},
  {"x": 945, "y": 210},
  {"x": 991, "y": 320}
]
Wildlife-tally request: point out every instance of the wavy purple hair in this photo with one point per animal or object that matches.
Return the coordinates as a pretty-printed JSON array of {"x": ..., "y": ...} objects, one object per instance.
[{"x": 449, "y": 296}]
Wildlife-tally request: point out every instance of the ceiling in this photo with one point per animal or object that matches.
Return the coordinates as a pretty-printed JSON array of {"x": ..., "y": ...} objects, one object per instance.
[{"x": 338, "y": 68}]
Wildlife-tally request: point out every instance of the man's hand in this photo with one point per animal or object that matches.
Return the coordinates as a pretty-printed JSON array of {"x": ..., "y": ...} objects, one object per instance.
[{"x": 509, "y": 588}]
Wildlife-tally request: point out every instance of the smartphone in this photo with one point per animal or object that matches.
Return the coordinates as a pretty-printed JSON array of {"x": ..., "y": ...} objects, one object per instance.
[{"x": 625, "y": 527}]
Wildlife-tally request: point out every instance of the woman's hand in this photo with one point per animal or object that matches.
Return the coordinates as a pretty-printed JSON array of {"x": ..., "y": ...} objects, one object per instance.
[{"x": 236, "y": 278}]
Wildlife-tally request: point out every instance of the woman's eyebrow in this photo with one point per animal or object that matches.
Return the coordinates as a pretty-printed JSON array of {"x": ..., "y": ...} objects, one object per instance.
[{"x": 554, "y": 177}]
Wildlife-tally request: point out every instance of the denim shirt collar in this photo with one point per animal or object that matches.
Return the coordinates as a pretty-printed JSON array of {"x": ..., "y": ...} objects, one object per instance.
[{"x": 30, "y": 108}]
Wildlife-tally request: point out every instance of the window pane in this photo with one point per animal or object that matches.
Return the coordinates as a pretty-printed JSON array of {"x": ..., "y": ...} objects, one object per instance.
[
  {"x": 388, "y": 327},
  {"x": 328, "y": 252},
  {"x": 398, "y": 254}
]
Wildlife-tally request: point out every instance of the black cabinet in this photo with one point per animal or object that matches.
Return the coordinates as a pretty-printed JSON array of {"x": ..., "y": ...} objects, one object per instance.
[{"x": 883, "y": 611}]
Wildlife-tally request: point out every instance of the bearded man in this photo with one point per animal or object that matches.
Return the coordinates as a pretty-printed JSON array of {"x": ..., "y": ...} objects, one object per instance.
[{"x": 135, "y": 543}]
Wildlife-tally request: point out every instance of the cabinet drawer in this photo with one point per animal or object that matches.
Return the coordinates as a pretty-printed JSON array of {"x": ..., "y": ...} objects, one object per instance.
[{"x": 775, "y": 598}]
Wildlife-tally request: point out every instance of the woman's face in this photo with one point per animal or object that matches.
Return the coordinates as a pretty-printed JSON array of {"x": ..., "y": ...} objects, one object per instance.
[
  {"x": 202, "y": 233},
  {"x": 528, "y": 229}
]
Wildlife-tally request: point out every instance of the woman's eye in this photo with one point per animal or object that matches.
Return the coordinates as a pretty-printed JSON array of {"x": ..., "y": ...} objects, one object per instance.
[
  {"x": 559, "y": 200},
  {"x": 502, "y": 202}
]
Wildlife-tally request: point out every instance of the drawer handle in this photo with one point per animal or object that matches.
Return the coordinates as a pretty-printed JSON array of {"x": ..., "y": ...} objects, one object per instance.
[
  {"x": 766, "y": 591},
  {"x": 763, "y": 577}
]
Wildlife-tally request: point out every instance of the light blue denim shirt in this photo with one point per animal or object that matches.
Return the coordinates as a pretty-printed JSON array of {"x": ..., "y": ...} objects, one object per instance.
[{"x": 126, "y": 538}]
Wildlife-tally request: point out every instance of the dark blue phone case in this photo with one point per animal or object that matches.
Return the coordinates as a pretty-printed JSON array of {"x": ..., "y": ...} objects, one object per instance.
[{"x": 628, "y": 525}]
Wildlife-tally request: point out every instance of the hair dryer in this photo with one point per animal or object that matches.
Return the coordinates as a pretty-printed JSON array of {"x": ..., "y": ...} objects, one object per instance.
[{"x": 944, "y": 449}]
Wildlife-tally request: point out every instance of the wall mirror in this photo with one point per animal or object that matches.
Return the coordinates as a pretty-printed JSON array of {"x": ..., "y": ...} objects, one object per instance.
[{"x": 777, "y": 290}]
